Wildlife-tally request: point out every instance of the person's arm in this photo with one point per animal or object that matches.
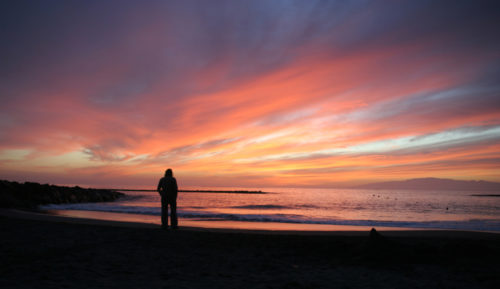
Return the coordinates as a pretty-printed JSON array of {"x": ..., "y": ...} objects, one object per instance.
[
  {"x": 176, "y": 187},
  {"x": 159, "y": 186}
]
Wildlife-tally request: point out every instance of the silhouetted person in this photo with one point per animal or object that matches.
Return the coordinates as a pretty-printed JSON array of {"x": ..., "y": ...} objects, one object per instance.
[{"x": 167, "y": 187}]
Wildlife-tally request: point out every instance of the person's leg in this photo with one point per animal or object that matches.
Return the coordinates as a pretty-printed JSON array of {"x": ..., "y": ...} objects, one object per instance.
[
  {"x": 173, "y": 213},
  {"x": 164, "y": 214}
]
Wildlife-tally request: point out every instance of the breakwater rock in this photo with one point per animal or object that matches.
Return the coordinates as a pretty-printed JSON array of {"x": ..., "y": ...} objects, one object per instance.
[{"x": 30, "y": 195}]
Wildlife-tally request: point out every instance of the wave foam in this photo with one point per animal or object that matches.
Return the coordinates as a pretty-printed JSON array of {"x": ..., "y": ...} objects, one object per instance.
[{"x": 473, "y": 224}]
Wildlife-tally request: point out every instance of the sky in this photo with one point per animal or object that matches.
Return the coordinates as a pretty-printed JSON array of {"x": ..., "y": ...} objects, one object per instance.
[{"x": 249, "y": 93}]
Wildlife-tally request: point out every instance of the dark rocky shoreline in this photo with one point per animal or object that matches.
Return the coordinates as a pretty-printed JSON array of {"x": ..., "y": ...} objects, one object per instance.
[{"x": 30, "y": 195}]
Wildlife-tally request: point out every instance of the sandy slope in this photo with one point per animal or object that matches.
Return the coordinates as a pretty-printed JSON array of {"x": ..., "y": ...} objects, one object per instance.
[{"x": 40, "y": 251}]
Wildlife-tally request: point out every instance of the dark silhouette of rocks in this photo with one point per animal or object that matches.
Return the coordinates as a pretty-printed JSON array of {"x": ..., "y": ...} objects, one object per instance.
[
  {"x": 30, "y": 195},
  {"x": 376, "y": 238},
  {"x": 374, "y": 234},
  {"x": 434, "y": 184}
]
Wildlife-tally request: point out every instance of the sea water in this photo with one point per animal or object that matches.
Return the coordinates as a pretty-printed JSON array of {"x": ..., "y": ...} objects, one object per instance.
[{"x": 461, "y": 210}]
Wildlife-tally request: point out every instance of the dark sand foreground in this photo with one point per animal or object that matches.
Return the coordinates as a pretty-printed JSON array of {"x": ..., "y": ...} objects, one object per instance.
[{"x": 46, "y": 253}]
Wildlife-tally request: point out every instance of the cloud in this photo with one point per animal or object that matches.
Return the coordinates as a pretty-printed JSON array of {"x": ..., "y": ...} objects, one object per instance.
[
  {"x": 276, "y": 86},
  {"x": 192, "y": 152},
  {"x": 98, "y": 153}
]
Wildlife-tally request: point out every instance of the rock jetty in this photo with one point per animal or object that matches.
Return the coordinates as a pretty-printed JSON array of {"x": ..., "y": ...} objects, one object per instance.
[{"x": 30, "y": 195}]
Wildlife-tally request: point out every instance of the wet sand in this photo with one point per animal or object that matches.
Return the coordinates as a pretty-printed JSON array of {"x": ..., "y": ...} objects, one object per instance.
[
  {"x": 271, "y": 227},
  {"x": 42, "y": 251}
]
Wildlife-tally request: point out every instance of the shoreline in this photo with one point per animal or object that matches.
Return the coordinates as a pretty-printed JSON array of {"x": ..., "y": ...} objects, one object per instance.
[
  {"x": 223, "y": 224},
  {"x": 235, "y": 226}
]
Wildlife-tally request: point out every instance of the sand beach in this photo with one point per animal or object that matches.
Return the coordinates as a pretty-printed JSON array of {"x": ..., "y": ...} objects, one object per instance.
[{"x": 44, "y": 251}]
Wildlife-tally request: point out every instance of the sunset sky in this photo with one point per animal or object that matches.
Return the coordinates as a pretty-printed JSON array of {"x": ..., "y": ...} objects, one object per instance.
[{"x": 249, "y": 93}]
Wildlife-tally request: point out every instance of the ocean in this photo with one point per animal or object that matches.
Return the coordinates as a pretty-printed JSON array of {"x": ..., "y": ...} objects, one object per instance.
[{"x": 307, "y": 209}]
